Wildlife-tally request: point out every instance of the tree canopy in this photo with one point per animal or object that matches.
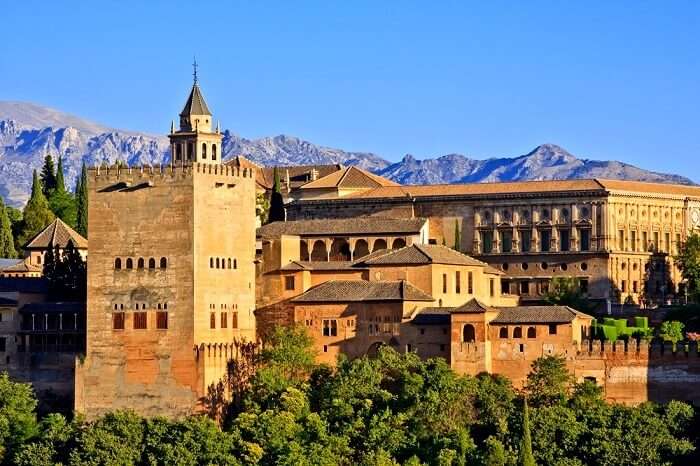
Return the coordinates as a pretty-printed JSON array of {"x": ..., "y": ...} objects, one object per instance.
[
  {"x": 36, "y": 215},
  {"x": 688, "y": 260}
]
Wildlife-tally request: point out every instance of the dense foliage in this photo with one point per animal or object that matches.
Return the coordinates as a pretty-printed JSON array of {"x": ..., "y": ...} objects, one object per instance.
[
  {"x": 688, "y": 261},
  {"x": 37, "y": 213},
  {"x": 276, "y": 212},
  {"x": 566, "y": 291},
  {"x": 389, "y": 410}
]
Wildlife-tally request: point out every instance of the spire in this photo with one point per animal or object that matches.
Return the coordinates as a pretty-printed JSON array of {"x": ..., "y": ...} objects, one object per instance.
[
  {"x": 195, "y": 104},
  {"x": 194, "y": 66}
]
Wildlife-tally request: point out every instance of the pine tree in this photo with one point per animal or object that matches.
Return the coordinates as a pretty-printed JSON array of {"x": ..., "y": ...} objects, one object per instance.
[
  {"x": 276, "y": 201},
  {"x": 526, "y": 456},
  {"x": 458, "y": 237},
  {"x": 7, "y": 240},
  {"x": 81, "y": 201},
  {"x": 37, "y": 214},
  {"x": 61, "y": 202},
  {"x": 48, "y": 176}
]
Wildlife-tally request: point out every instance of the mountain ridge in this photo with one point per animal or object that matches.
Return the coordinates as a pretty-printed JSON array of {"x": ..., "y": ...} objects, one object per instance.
[{"x": 29, "y": 131}]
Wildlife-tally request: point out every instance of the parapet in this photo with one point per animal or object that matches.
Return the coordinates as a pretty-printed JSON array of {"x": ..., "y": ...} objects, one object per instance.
[
  {"x": 103, "y": 175},
  {"x": 632, "y": 349}
]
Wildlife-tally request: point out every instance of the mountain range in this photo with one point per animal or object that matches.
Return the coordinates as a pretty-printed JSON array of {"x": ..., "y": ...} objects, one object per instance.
[{"x": 29, "y": 132}]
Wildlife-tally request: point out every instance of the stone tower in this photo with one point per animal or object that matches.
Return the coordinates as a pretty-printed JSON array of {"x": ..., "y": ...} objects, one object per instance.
[{"x": 171, "y": 280}]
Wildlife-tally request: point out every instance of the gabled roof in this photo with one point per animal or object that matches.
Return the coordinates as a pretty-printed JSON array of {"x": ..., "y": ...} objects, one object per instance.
[
  {"x": 344, "y": 291},
  {"x": 56, "y": 234},
  {"x": 473, "y": 306},
  {"x": 195, "y": 104},
  {"x": 432, "y": 316},
  {"x": 21, "y": 267},
  {"x": 349, "y": 178},
  {"x": 424, "y": 254},
  {"x": 343, "y": 226},
  {"x": 320, "y": 265},
  {"x": 5, "y": 263},
  {"x": 537, "y": 315}
]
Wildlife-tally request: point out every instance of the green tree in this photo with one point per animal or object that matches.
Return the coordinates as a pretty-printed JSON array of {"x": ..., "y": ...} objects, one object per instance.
[
  {"x": 671, "y": 330},
  {"x": 51, "y": 446},
  {"x": 48, "y": 176},
  {"x": 276, "y": 200},
  {"x": 495, "y": 454},
  {"x": 17, "y": 415},
  {"x": 526, "y": 456},
  {"x": 262, "y": 207},
  {"x": 81, "y": 202},
  {"x": 458, "y": 237},
  {"x": 688, "y": 260},
  {"x": 61, "y": 202},
  {"x": 115, "y": 439},
  {"x": 7, "y": 239},
  {"x": 549, "y": 381},
  {"x": 37, "y": 215},
  {"x": 566, "y": 291}
]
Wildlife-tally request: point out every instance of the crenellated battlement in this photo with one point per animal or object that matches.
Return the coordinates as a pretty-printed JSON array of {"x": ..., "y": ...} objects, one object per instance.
[
  {"x": 631, "y": 349},
  {"x": 107, "y": 175}
]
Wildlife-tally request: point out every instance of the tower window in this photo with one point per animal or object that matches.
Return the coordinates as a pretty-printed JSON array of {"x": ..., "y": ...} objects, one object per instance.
[
  {"x": 163, "y": 263},
  {"x": 211, "y": 262},
  {"x": 118, "y": 320},
  {"x": 235, "y": 265},
  {"x": 140, "y": 320},
  {"x": 229, "y": 262},
  {"x": 217, "y": 262},
  {"x": 151, "y": 263},
  {"x": 190, "y": 150},
  {"x": 212, "y": 320},
  {"x": 213, "y": 151},
  {"x": 204, "y": 150},
  {"x": 140, "y": 263},
  {"x": 178, "y": 151},
  {"x": 161, "y": 320},
  {"x": 224, "y": 320},
  {"x": 117, "y": 263},
  {"x": 129, "y": 263}
]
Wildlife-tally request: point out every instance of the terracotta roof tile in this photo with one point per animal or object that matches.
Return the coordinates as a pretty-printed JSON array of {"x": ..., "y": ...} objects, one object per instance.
[
  {"x": 473, "y": 306},
  {"x": 56, "y": 234},
  {"x": 341, "y": 291},
  {"x": 320, "y": 265},
  {"x": 536, "y": 314},
  {"x": 343, "y": 226},
  {"x": 349, "y": 177},
  {"x": 425, "y": 254},
  {"x": 646, "y": 187}
]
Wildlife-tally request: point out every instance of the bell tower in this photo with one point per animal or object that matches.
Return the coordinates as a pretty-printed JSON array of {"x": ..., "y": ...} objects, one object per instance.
[{"x": 195, "y": 141}]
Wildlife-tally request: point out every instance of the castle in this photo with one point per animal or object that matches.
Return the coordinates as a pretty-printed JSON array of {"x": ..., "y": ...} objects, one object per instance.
[
  {"x": 177, "y": 273},
  {"x": 170, "y": 274}
]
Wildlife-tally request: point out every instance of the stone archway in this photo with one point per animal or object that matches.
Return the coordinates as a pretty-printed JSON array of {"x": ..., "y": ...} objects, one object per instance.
[
  {"x": 398, "y": 243},
  {"x": 319, "y": 252},
  {"x": 340, "y": 250},
  {"x": 361, "y": 249},
  {"x": 379, "y": 244},
  {"x": 303, "y": 251},
  {"x": 468, "y": 334},
  {"x": 373, "y": 350}
]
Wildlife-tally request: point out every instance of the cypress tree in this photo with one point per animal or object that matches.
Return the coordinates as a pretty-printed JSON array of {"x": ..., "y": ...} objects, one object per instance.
[
  {"x": 7, "y": 240},
  {"x": 276, "y": 201},
  {"x": 458, "y": 237},
  {"x": 48, "y": 176},
  {"x": 81, "y": 194},
  {"x": 526, "y": 456},
  {"x": 37, "y": 214},
  {"x": 61, "y": 202}
]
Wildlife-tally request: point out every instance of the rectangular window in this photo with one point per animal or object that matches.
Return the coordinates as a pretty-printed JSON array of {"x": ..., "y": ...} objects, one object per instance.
[
  {"x": 585, "y": 235},
  {"x": 234, "y": 320},
  {"x": 564, "y": 240},
  {"x": 645, "y": 241},
  {"x": 505, "y": 286},
  {"x": 442, "y": 347},
  {"x": 667, "y": 242},
  {"x": 330, "y": 328},
  {"x": 140, "y": 320},
  {"x": 552, "y": 329},
  {"x": 506, "y": 241},
  {"x": 289, "y": 283},
  {"x": 458, "y": 282},
  {"x": 492, "y": 287},
  {"x": 633, "y": 241},
  {"x": 623, "y": 286},
  {"x": 545, "y": 240},
  {"x": 470, "y": 283},
  {"x": 118, "y": 320},
  {"x": 621, "y": 240},
  {"x": 212, "y": 320},
  {"x": 525, "y": 240},
  {"x": 487, "y": 242},
  {"x": 224, "y": 320},
  {"x": 656, "y": 241},
  {"x": 583, "y": 285},
  {"x": 678, "y": 244},
  {"x": 0, "y": 316},
  {"x": 444, "y": 283},
  {"x": 3, "y": 345},
  {"x": 635, "y": 286},
  {"x": 525, "y": 287},
  {"x": 162, "y": 320}
]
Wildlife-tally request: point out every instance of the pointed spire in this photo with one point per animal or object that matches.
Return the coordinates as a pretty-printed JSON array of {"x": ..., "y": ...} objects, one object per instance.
[
  {"x": 172, "y": 126},
  {"x": 194, "y": 66},
  {"x": 218, "y": 127}
]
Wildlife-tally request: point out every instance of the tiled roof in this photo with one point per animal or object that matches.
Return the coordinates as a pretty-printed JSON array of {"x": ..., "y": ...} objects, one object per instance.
[
  {"x": 56, "y": 234},
  {"x": 350, "y": 177},
  {"x": 471, "y": 306},
  {"x": 23, "y": 285},
  {"x": 536, "y": 314},
  {"x": 21, "y": 267},
  {"x": 432, "y": 316},
  {"x": 655, "y": 188},
  {"x": 68, "y": 306},
  {"x": 343, "y": 226},
  {"x": 341, "y": 291},
  {"x": 319, "y": 265},
  {"x": 5, "y": 263},
  {"x": 195, "y": 104},
  {"x": 425, "y": 254}
]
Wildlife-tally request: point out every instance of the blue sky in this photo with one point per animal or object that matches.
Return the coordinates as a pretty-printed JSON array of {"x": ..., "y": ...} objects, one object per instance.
[{"x": 605, "y": 80}]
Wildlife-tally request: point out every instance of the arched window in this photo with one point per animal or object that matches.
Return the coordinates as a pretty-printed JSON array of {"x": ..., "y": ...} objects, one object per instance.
[
  {"x": 204, "y": 150},
  {"x": 151, "y": 263},
  {"x": 163, "y": 262},
  {"x": 398, "y": 243},
  {"x": 141, "y": 263},
  {"x": 213, "y": 151},
  {"x": 178, "y": 151},
  {"x": 531, "y": 332},
  {"x": 211, "y": 262},
  {"x": 235, "y": 264},
  {"x": 129, "y": 263},
  {"x": 518, "y": 332},
  {"x": 118, "y": 263},
  {"x": 229, "y": 263},
  {"x": 503, "y": 332},
  {"x": 468, "y": 334},
  {"x": 217, "y": 262}
]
